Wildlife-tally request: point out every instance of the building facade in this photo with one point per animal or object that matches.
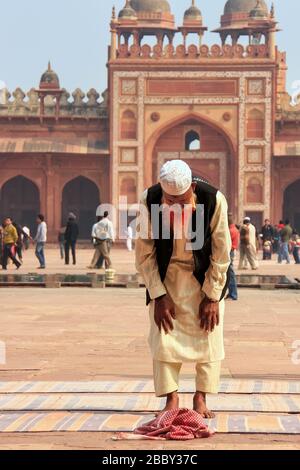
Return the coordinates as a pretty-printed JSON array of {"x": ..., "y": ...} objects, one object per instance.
[{"x": 223, "y": 109}]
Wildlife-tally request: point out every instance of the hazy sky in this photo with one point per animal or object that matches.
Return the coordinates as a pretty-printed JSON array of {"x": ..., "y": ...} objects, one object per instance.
[{"x": 74, "y": 35}]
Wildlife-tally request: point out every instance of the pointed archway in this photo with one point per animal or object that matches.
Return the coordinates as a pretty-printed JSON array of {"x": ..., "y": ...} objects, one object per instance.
[
  {"x": 291, "y": 205},
  {"x": 205, "y": 146},
  {"x": 82, "y": 197},
  {"x": 20, "y": 200}
]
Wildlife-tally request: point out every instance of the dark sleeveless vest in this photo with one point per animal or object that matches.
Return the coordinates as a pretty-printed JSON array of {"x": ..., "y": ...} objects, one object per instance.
[{"x": 206, "y": 195}]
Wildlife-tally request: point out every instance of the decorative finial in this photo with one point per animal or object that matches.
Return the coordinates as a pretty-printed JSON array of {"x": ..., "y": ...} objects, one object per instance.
[
  {"x": 272, "y": 12},
  {"x": 49, "y": 67},
  {"x": 113, "y": 15}
]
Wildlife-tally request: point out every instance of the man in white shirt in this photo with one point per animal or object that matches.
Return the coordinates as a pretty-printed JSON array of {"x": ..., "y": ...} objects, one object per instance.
[
  {"x": 40, "y": 239},
  {"x": 103, "y": 236},
  {"x": 100, "y": 261}
]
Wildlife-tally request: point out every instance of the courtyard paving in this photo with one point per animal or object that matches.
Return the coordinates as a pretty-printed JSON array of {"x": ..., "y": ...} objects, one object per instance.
[
  {"x": 123, "y": 262},
  {"x": 82, "y": 334}
]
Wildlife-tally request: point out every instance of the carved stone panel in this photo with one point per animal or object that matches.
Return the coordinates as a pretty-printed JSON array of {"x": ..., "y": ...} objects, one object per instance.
[
  {"x": 255, "y": 155},
  {"x": 256, "y": 86},
  {"x": 128, "y": 156},
  {"x": 128, "y": 87}
]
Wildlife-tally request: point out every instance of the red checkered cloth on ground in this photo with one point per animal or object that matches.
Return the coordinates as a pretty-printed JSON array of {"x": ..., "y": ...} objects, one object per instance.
[{"x": 181, "y": 425}]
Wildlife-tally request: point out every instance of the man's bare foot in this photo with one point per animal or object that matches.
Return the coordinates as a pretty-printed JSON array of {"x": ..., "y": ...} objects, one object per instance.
[
  {"x": 200, "y": 406},
  {"x": 172, "y": 402}
]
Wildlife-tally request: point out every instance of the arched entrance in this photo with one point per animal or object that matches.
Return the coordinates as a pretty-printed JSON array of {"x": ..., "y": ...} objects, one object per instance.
[
  {"x": 20, "y": 199},
  {"x": 205, "y": 148},
  {"x": 291, "y": 205},
  {"x": 81, "y": 196}
]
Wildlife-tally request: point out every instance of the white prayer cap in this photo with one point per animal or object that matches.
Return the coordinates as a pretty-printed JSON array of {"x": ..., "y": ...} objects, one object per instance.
[{"x": 175, "y": 177}]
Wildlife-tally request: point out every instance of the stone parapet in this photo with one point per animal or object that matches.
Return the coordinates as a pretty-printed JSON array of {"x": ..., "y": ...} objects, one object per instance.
[
  {"x": 81, "y": 104},
  {"x": 288, "y": 107},
  {"x": 191, "y": 52}
]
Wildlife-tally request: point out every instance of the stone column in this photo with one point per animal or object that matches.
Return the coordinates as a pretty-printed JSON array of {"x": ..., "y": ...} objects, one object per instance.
[
  {"x": 113, "y": 47},
  {"x": 272, "y": 45},
  {"x": 53, "y": 204}
]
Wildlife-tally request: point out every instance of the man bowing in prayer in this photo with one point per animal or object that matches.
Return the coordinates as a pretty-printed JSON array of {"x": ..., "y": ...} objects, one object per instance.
[{"x": 186, "y": 280}]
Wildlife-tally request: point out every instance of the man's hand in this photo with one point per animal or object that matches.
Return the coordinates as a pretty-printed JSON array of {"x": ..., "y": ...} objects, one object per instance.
[
  {"x": 164, "y": 313},
  {"x": 209, "y": 315}
]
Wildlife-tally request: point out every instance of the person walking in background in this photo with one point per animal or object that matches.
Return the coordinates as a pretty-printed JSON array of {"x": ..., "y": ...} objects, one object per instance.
[
  {"x": 235, "y": 238},
  {"x": 277, "y": 230},
  {"x": 102, "y": 235},
  {"x": 285, "y": 237},
  {"x": 19, "y": 244},
  {"x": 280, "y": 225},
  {"x": 129, "y": 235},
  {"x": 100, "y": 261},
  {"x": 111, "y": 231},
  {"x": 71, "y": 236},
  {"x": 40, "y": 240},
  {"x": 248, "y": 245},
  {"x": 61, "y": 242},
  {"x": 10, "y": 239},
  {"x": 26, "y": 237},
  {"x": 267, "y": 250},
  {"x": 267, "y": 233},
  {"x": 253, "y": 237},
  {"x": 295, "y": 244}
]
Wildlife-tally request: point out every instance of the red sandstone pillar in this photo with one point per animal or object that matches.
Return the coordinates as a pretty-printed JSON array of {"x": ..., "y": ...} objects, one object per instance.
[{"x": 53, "y": 205}]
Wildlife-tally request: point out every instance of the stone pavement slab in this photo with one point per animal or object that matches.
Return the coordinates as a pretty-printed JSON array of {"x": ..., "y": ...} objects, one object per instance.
[
  {"x": 104, "y": 332},
  {"x": 103, "y": 441},
  {"x": 75, "y": 334}
]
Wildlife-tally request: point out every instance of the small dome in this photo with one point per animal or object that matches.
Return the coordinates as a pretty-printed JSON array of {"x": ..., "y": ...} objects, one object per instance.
[
  {"x": 151, "y": 5},
  {"x": 128, "y": 12},
  {"x": 243, "y": 6},
  {"x": 49, "y": 79},
  {"x": 193, "y": 13},
  {"x": 258, "y": 12}
]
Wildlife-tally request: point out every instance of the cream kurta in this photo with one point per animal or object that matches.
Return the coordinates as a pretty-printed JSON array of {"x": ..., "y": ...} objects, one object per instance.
[
  {"x": 187, "y": 342},
  {"x": 252, "y": 236}
]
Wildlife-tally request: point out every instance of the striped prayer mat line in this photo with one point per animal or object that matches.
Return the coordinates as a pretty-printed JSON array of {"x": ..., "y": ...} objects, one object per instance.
[
  {"x": 146, "y": 386},
  {"x": 146, "y": 402},
  {"x": 105, "y": 422}
]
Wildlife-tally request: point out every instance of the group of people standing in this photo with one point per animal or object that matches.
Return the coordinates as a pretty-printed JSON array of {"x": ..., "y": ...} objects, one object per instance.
[
  {"x": 14, "y": 239},
  {"x": 280, "y": 239},
  {"x": 102, "y": 236}
]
